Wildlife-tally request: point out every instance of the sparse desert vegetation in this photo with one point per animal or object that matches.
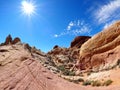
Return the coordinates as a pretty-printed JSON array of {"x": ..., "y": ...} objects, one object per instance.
[
  {"x": 97, "y": 83},
  {"x": 107, "y": 83}
]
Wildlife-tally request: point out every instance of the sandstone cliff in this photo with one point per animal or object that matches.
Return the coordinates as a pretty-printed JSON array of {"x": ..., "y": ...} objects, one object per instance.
[{"x": 102, "y": 50}]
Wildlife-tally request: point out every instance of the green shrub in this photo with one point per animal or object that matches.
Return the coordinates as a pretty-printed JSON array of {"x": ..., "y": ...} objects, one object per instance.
[
  {"x": 107, "y": 83},
  {"x": 65, "y": 71},
  {"x": 75, "y": 81},
  {"x": 96, "y": 83},
  {"x": 81, "y": 80},
  {"x": 68, "y": 73},
  {"x": 87, "y": 82},
  {"x": 61, "y": 68}
]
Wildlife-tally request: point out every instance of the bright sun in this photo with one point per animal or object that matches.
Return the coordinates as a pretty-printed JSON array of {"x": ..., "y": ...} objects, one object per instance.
[{"x": 28, "y": 8}]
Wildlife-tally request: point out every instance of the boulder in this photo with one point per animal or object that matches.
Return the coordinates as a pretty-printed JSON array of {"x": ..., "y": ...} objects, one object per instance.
[{"x": 9, "y": 41}]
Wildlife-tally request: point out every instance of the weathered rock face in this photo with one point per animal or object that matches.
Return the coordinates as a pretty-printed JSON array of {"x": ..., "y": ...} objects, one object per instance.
[
  {"x": 102, "y": 50},
  {"x": 68, "y": 56},
  {"x": 64, "y": 56},
  {"x": 78, "y": 41}
]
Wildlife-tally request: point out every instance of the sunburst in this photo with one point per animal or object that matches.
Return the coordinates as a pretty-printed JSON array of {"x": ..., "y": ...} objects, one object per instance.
[{"x": 28, "y": 8}]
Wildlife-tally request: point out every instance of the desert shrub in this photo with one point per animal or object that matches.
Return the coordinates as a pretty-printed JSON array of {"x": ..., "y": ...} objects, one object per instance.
[
  {"x": 118, "y": 63},
  {"x": 107, "y": 83},
  {"x": 74, "y": 81},
  {"x": 88, "y": 73},
  {"x": 61, "y": 68},
  {"x": 87, "y": 82},
  {"x": 81, "y": 80},
  {"x": 65, "y": 71},
  {"x": 96, "y": 83},
  {"x": 69, "y": 73}
]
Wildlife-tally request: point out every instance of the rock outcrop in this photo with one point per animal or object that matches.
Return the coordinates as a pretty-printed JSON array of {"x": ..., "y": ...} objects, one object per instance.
[
  {"x": 78, "y": 41},
  {"x": 67, "y": 57},
  {"x": 10, "y": 41},
  {"x": 64, "y": 56},
  {"x": 16, "y": 40},
  {"x": 102, "y": 51}
]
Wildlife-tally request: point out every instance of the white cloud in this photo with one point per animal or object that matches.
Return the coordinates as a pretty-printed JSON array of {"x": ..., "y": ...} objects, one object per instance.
[
  {"x": 108, "y": 12},
  {"x": 71, "y": 24},
  {"x": 56, "y": 35},
  {"x": 108, "y": 24},
  {"x": 76, "y": 28}
]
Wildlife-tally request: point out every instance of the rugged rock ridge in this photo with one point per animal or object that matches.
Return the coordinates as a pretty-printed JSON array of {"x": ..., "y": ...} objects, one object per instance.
[
  {"x": 102, "y": 50},
  {"x": 67, "y": 57}
]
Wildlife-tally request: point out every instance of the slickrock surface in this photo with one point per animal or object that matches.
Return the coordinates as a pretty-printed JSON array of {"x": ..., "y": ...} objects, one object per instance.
[{"x": 102, "y": 51}]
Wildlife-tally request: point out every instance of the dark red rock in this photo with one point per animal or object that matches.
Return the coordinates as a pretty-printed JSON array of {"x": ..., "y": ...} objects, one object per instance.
[
  {"x": 16, "y": 40},
  {"x": 78, "y": 41},
  {"x": 56, "y": 46},
  {"x": 8, "y": 40}
]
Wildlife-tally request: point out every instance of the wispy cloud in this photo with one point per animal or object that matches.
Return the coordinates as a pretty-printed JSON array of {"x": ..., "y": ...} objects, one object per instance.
[
  {"x": 108, "y": 12},
  {"x": 108, "y": 24},
  {"x": 71, "y": 24},
  {"x": 78, "y": 27}
]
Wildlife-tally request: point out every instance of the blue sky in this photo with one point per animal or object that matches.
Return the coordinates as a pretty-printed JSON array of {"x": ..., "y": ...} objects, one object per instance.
[{"x": 56, "y": 22}]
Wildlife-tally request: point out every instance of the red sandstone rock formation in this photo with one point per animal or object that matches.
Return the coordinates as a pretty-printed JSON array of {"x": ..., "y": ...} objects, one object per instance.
[
  {"x": 68, "y": 56},
  {"x": 16, "y": 40},
  {"x": 78, "y": 41},
  {"x": 8, "y": 40},
  {"x": 102, "y": 51}
]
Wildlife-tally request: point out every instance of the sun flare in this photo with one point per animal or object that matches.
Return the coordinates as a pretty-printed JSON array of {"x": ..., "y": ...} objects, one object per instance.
[{"x": 28, "y": 8}]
